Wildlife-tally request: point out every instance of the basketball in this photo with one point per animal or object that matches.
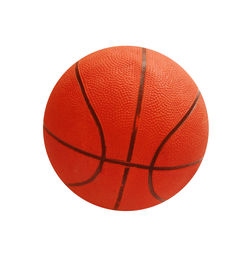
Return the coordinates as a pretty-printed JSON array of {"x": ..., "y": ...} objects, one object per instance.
[{"x": 125, "y": 128}]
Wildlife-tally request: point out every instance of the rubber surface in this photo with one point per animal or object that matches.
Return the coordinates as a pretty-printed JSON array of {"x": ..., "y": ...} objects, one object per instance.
[{"x": 125, "y": 128}]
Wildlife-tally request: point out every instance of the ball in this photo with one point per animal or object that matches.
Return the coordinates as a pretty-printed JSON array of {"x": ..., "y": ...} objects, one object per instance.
[{"x": 125, "y": 128}]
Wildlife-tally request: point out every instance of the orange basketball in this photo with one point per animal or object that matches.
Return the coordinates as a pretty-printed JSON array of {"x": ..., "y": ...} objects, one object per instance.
[{"x": 125, "y": 128}]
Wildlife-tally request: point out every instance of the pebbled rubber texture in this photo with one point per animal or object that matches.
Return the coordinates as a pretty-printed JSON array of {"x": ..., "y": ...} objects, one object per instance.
[{"x": 125, "y": 128}]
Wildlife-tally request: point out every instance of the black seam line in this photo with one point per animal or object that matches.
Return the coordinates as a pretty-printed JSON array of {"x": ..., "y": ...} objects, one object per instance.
[
  {"x": 100, "y": 130},
  {"x": 135, "y": 128},
  {"x": 118, "y": 162},
  {"x": 164, "y": 141}
]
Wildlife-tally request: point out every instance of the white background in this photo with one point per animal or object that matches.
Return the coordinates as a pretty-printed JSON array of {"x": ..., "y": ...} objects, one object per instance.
[{"x": 40, "y": 218}]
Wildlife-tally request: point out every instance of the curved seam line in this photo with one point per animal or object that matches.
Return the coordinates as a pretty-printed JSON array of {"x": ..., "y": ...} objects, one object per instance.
[
  {"x": 100, "y": 130},
  {"x": 135, "y": 128},
  {"x": 164, "y": 141},
  {"x": 119, "y": 162}
]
